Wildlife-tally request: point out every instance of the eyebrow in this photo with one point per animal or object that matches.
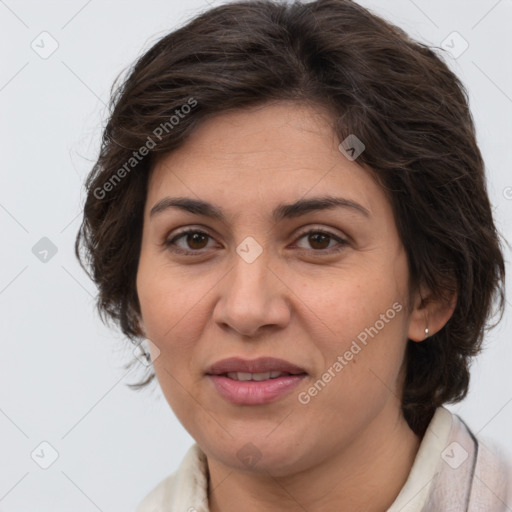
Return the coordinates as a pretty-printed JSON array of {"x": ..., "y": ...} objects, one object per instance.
[{"x": 281, "y": 212}]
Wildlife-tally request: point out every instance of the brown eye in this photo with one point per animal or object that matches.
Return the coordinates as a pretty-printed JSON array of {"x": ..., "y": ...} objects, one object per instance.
[
  {"x": 319, "y": 240},
  {"x": 194, "y": 242}
]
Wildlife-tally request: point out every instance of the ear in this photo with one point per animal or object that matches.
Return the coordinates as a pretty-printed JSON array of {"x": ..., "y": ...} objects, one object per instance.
[{"x": 430, "y": 313}]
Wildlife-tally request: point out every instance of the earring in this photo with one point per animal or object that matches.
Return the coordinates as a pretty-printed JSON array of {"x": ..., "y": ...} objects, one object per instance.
[{"x": 426, "y": 332}]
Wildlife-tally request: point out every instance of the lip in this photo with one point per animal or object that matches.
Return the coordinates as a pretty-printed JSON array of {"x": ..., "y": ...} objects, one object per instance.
[
  {"x": 254, "y": 392},
  {"x": 260, "y": 365}
]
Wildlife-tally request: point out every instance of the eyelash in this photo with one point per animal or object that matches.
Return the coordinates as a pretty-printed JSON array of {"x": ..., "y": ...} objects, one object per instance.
[{"x": 170, "y": 243}]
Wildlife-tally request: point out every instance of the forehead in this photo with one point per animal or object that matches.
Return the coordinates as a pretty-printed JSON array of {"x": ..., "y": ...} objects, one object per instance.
[{"x": 261, "y": 156}]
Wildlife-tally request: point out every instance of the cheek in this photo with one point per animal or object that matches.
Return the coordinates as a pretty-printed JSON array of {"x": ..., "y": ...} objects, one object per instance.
[
  {"x": 359, "y": 377},
  {"x": 169, "y": 300},
  {"x": 365, "y": 336},
  {"x": 170, "y": 309}
]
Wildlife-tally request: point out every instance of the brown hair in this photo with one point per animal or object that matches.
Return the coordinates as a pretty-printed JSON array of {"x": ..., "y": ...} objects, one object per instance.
[{"x": 397, "y": 95}]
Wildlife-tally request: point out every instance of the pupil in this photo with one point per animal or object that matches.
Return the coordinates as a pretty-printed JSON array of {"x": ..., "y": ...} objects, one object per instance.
[
  {"x": 316, "y": 238},
  {"x": 193, "y": 238}
]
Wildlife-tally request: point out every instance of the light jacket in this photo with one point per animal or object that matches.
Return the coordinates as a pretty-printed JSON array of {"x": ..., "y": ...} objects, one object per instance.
[{"x": 453, "y": 472}]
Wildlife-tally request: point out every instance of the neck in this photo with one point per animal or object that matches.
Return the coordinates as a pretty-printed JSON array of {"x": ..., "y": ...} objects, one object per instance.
[{"x": 367, "y": 476}]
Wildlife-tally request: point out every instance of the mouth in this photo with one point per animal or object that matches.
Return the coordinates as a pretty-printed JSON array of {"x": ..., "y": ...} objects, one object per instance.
[
  {"x": 254, "y": 382},
  {"x": 246, "y": 376},
  {"x": 259, "y": 369}
]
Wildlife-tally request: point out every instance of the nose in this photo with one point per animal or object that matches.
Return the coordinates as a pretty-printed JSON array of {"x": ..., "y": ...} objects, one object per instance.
[{"x": 252, "y": 298}]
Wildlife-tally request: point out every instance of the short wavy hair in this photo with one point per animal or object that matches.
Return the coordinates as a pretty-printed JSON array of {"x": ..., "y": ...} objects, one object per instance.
[{"x": 396, "y": 94}]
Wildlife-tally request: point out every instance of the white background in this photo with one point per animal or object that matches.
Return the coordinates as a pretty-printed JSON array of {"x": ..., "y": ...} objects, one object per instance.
[{"x": 61, "y": 369}]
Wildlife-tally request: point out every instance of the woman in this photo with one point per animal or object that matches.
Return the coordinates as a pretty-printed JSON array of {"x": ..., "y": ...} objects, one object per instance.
[{"x": 290, "y": 205}]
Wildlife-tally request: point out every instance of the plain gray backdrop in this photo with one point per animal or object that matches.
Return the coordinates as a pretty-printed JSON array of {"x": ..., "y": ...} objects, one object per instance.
[{"x": 63, "y": 383}]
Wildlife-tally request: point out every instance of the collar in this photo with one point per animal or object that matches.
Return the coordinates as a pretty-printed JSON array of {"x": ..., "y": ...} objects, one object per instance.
[{"x": 414, "y": 493}]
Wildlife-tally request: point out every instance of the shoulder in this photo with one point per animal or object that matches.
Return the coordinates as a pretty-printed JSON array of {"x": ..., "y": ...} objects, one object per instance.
[
  {"x": 490, "y": 456},
  {"x": 475, "y": 468},
  {"x": 492, "y": 475}
]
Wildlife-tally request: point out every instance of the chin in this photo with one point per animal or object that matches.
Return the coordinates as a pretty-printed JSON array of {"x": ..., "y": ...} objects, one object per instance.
[{"x": 277, "y": 457}]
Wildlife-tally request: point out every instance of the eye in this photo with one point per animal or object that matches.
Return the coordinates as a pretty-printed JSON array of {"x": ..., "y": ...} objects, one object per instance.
[
  {"x": 197, "y": 240},
  {"x": 194, "y": 239},
  {"x": 320, "y": 239}
]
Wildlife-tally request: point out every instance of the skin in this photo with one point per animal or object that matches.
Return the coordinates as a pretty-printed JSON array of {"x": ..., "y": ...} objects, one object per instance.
[{"x": 295, "y": 301}]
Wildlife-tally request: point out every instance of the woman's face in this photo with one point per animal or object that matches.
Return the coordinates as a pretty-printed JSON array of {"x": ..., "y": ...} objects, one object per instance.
[{"x": 262, "y": 282}]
